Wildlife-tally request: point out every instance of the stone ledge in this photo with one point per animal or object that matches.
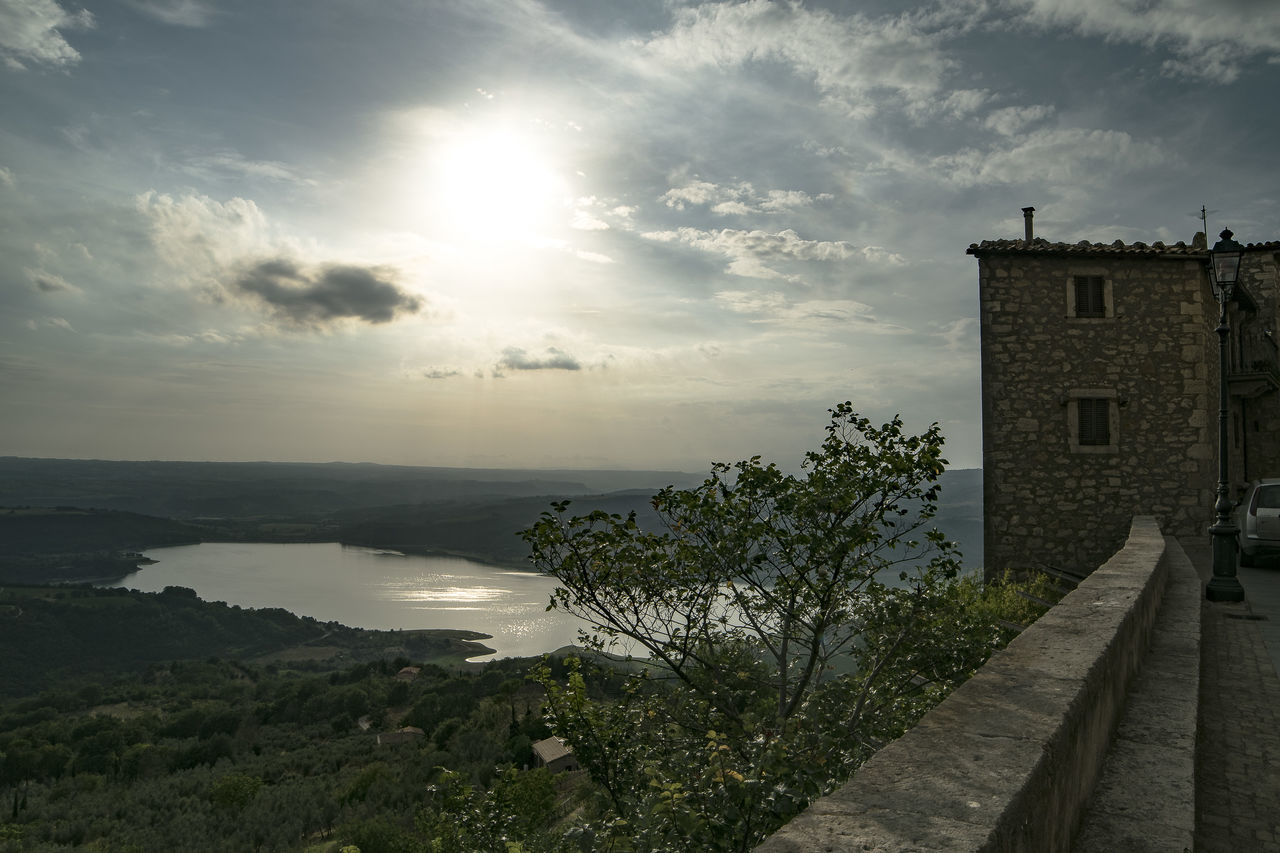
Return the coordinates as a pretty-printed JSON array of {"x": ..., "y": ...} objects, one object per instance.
[
  {"x": 1145, "y": 797},
  {"x": 1008, "y": 760}
]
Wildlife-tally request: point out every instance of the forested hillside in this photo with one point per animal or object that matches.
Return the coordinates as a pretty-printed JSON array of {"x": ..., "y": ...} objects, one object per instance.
[
  {"x": 488, "y": 531},
  {"x": 138, "y": 722},
  {"x": 187, "y": 490},
  {"x": 77, "y": 635},
  {"x": 43, "y": 545},
  {"x": 223, "y": 756}
]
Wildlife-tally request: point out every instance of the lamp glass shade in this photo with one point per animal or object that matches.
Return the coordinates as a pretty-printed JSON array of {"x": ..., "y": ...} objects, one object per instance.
[
  {"x": 1224, "y": 263},
  {"x": 1226, "y": 268}
]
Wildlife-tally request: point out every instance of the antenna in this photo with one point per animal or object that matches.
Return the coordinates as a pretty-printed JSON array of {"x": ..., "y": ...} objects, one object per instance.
[{"x": 1203, "y": 215}]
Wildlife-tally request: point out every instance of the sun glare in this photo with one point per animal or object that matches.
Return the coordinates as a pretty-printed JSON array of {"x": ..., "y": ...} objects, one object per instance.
[{"x": 496, "y": 184}]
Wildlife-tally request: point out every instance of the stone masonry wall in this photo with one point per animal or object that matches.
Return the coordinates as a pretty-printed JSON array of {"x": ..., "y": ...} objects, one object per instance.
[
  {"x": 1048, "y": 503},
  {"x": 1258, "y": 436}
]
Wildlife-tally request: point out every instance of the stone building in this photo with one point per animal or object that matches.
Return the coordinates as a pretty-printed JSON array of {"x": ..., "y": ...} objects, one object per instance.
[{"x": 1100, "y": 392}]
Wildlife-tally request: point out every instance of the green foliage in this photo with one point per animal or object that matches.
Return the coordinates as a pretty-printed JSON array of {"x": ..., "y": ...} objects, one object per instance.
[
  {"x": 234, "y": 791},
  {"x": 218, "y": 755},
  {"x": 381, "y": 834},
  {"x": 67, "y": 635},
  {"x": 791, "y": 625},
  {"x": 514, "y": 815},
  {"x": 60, "y": 531}
]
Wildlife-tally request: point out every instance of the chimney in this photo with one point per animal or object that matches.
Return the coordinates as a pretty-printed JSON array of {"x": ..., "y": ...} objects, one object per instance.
[{"x": 1027, "y": 216}]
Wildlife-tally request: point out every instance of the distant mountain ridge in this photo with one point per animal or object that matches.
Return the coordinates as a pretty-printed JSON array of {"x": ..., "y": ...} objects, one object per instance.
[
  {"x": 186, "y": 490},
  {"x": 474, "y": 513}
]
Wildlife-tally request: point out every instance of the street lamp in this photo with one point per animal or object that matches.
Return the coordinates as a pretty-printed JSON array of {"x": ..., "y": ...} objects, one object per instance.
[{"x": 1224, "y": 272}]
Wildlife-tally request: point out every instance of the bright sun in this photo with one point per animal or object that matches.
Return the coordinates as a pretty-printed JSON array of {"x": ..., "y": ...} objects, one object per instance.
[{"x": 496, "y": 184}]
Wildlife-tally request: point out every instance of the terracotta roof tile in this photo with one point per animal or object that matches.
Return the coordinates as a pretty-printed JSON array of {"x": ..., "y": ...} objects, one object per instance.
[{"x": 1041, "y": 246}]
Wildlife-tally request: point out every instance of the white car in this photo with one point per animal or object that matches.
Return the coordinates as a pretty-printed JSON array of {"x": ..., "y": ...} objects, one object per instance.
[{"x": 1259, "y": 520}]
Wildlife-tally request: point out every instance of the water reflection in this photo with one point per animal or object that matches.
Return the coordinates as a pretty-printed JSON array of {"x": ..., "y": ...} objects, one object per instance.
[
  {"x": 361, "y": 587},
  {"x": 453, "y": 593}
]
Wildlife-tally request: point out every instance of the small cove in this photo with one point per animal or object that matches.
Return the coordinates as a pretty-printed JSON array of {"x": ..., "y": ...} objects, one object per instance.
[{"x": 367, "y": 588}]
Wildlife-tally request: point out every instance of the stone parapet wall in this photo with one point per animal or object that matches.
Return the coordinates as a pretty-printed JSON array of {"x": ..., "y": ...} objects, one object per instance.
[{"x": 1008, "y": 760}]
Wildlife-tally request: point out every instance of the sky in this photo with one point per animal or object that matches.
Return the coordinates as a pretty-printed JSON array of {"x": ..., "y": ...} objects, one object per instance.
[{"x": 573, "y": 233}]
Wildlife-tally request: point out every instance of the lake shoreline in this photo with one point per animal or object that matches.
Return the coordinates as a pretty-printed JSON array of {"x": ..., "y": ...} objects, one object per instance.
[{"x": 371, "y": 588}]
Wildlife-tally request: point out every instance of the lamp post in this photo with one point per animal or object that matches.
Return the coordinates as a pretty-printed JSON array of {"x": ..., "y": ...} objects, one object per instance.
[{"x": 1224, "y": 271}]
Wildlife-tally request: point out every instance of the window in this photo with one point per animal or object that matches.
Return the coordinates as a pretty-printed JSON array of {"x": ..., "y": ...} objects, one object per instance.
[
  {"x": 1093, "y": 416},
  {"x": 1093, "y": 420},
  {"x": 1090, "y": 296}
]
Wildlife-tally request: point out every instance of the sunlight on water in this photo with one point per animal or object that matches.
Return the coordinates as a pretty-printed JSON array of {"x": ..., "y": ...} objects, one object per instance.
[{"x": 453, "y": 593}]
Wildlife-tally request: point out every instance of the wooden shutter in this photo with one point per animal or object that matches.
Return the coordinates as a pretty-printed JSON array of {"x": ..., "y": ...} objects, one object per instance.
[
  {"x": 1089, "y": 296},
  {"x": 1095, "y": 421}
]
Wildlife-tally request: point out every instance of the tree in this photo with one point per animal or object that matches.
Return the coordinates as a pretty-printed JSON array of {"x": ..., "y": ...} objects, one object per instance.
[
  {"x": 778, "y": 654},
  {"x": 513, "y": 816},
  {"x": 234, "y": 791}
]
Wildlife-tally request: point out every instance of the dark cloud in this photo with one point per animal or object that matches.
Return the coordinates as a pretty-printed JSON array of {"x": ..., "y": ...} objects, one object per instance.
[
  {"x": 515, "y": 358},
  {"x": 311, "y": 297},
  {"x": 440, "y": 373},
  {"x": 47, "y": 282}
]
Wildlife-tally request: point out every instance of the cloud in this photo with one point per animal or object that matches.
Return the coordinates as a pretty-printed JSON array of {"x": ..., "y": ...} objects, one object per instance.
[
  {"x": 752, "y": 302},
  {"x": 315, "y": 297},
  {"x": 47, "y": 282},
  {"x": 232, "y": 161},
  {"x": 961, "y": 102},
  {"x": 853, "y": 60},
  {"x": 1210, "y": 41},
  {"x": 178, "y": 13},
  {"x": 589, "y": 213},
  {"x": 230, "y": 251},
  {"x": 1218, "y": 63},
  {"x": 201, "y": 237},
  {"x": 6, "y": 177},
  {"x": 1058, "y": 156},
  {"x": 960, "y": 335},
  {"x": 208, "y": 336},
  {"x": 696, "y": 193},
  {"x": 584, "y": 221},
  {"x": 780, "y": 201},
  {"x": 737, "y": 199},
  {"x": 751, "y": 252},
  {"x": 1010, "y": 120},
  {"x": 441, "y": 373},
  {"x": 29, "y": 33},
  {"x": 515, "y": 358},
  {"x": 776, "y": 307}
]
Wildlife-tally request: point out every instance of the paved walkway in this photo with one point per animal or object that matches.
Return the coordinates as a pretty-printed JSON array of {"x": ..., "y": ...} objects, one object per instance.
[{"x": 1238, "y": 743}]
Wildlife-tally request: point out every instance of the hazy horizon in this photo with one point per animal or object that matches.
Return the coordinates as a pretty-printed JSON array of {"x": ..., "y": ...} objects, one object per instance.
[
  {"x": 552, "y": 234},
  {"x": 388, "y": 464},
  {"x": 324, "y": 462}
]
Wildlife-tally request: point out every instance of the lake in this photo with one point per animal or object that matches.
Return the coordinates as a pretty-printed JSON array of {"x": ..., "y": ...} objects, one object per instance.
[{"x": 367, "y": 588}]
